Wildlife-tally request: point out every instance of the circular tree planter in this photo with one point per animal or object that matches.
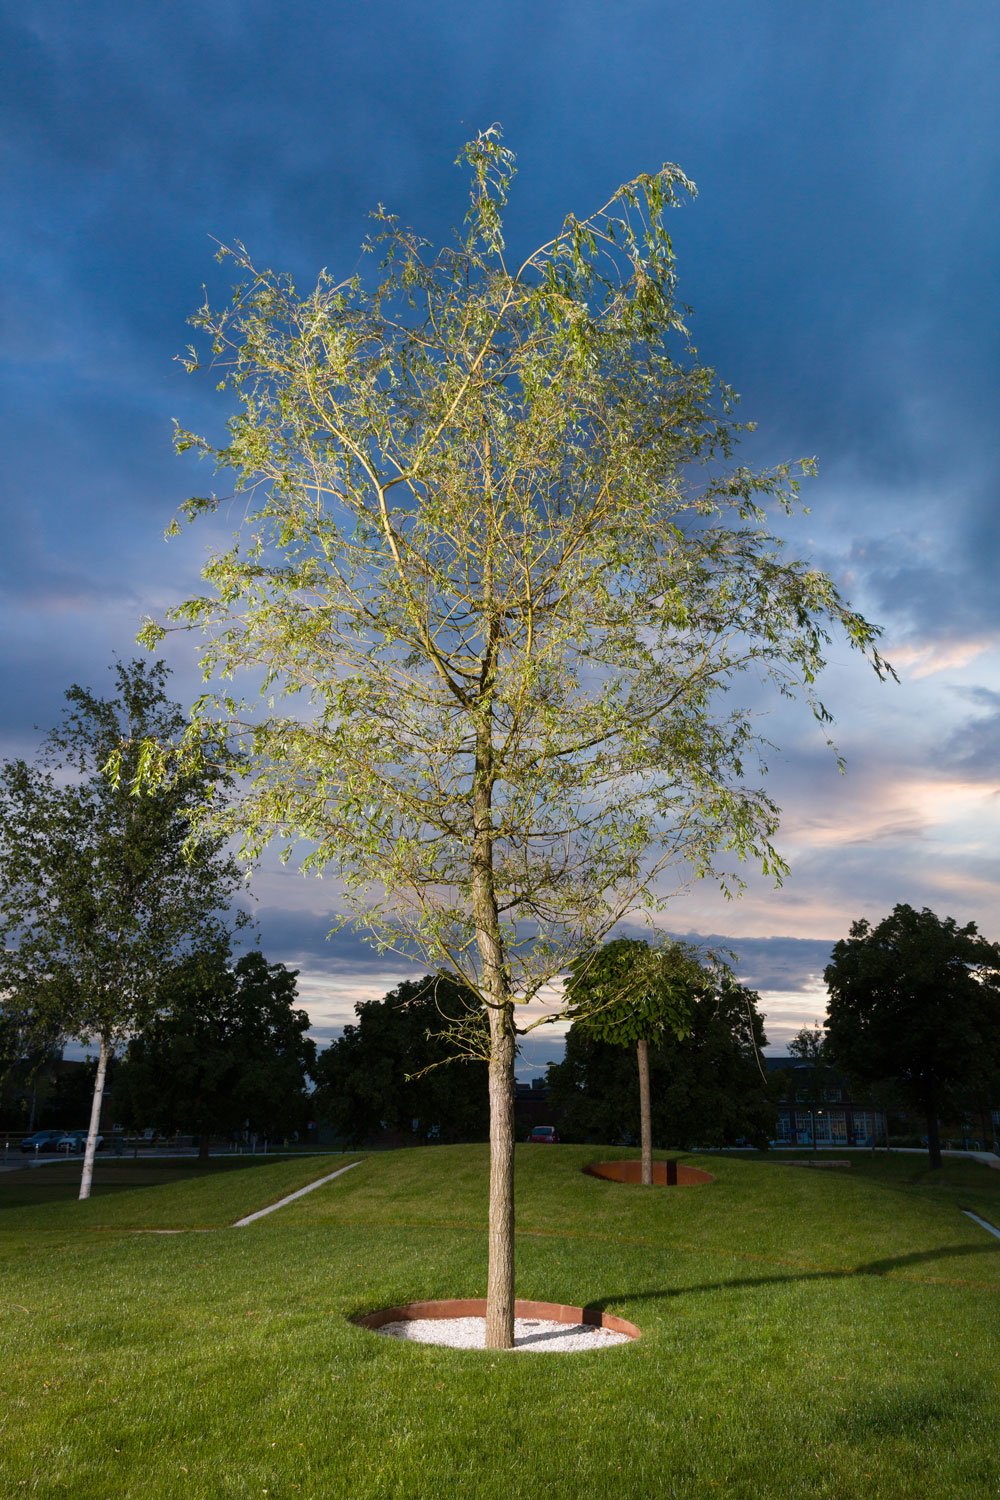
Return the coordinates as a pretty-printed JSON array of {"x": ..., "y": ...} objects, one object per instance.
[
  {"x": 665, "y": 1173},
  {"x": 581, "y": 1320}
]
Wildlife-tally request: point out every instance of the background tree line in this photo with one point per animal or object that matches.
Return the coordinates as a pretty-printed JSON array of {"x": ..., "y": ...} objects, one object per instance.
[{"x": 395, "y": 1069}]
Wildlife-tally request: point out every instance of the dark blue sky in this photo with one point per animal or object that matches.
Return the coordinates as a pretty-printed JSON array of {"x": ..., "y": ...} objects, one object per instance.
[{"x": 841, "y": 259}]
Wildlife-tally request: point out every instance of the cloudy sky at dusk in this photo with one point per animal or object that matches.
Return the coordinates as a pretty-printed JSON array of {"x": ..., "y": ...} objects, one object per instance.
[{"x": 841, "y": 259}]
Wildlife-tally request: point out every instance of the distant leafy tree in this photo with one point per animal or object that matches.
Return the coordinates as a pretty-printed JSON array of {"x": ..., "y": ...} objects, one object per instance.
[
  {"x": 706, "y": 1089},
  {"x": 27, "y": 1056},
  {"x": 398, "y": 1065},
  {"x": 916, "y": 1000},
  {"x": 629, "y": 994},
  {"x": 228, "y": 1050},
  {"x": 68, "y": 1099},
  {"x": 101, "y": 894}
]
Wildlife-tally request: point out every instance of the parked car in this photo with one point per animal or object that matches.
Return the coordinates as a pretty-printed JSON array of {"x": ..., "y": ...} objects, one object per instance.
[
  {"x": 42, "y": 1140},
  {"x": 76, "y": 1140},
  {"x": 543, "y": 1135}
]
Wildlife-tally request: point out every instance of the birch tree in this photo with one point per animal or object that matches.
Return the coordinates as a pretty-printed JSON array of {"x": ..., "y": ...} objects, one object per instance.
[
  {"x": 496, "y": 569},
  {"x": 99, "y": 898}
]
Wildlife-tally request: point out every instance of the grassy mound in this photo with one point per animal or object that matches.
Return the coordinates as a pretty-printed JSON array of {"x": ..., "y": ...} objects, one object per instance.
[
  {"x": 805, "y": 1334},
  {"x": 158, "y": 1193}
]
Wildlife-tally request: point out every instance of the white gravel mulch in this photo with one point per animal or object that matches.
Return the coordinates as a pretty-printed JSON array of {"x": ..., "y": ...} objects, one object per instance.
[{"x": 531, "y": 1335}]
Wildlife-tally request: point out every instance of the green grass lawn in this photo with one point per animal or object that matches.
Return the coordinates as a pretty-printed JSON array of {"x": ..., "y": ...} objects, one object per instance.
[
  {"x": 158, "y": 1193},
  {"x": 805, "y": 1334}
]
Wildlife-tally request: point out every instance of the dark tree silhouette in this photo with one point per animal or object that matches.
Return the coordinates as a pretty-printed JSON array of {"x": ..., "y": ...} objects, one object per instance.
[
  {"x": 398, "y": 1065},
  {"x": 228, "y": 1049},
  {"x": 916, "y": 1000}
]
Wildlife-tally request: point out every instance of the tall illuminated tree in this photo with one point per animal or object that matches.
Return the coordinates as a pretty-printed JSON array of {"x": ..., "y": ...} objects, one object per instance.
[{"x": 495, "y": 570}]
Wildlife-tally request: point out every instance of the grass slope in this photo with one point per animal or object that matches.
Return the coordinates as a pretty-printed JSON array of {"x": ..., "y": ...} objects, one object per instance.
[
  {"x": 805, "y": 1334},
  {"x": 164, "y": 1193}
]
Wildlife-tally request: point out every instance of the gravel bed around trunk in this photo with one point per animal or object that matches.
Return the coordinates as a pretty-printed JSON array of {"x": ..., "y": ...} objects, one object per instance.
[{"x": 531, "y": 1335}]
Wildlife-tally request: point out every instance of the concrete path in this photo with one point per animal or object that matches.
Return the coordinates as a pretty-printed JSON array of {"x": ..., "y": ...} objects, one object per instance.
[
  {"x": 986, "y": 1157},
  {"x": 239, "y": 1224},
  {"x": 983, "y": 1223}
]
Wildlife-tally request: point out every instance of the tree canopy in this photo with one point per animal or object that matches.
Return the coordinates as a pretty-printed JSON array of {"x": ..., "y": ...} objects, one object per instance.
[
  {"x": 101, "y": 890},
  {"x": 398, "y": 1065},
  {"x": 916, "y": 1000},
  {"x": 226, "y": 1051},
  {"x": 26, "y": 1055},
  {"x": 706, "y": 1088},
  {"x": 629, "y": 994},
  {"x": 496, "y": 569}
]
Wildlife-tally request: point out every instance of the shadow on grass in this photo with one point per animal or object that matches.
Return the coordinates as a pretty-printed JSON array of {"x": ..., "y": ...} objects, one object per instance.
[
  {"x": 847, "y": 1273},
  {"x": 60, "y": 1181}
]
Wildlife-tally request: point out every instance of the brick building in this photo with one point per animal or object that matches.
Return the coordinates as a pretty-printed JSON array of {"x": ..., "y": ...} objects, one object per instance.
[{"x": 822, "y": 1111}]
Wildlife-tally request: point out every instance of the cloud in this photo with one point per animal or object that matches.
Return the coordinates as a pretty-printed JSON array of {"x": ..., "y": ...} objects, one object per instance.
[
  {"x": 846, "y": 300},
  {"x": 974, "y": 746},
  {"x": 942, "y": 655}
]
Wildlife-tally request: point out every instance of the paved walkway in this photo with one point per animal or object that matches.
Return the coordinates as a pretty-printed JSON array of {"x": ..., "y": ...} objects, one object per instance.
[
  {"x": 986, "y": 1157},
  {"x": 983, "y": 1223},
  {"x": 239, "y": 1223}
]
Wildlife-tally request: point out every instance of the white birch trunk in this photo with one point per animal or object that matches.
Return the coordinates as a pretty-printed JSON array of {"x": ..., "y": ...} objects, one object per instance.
[{"x": 95, "y": 1120}]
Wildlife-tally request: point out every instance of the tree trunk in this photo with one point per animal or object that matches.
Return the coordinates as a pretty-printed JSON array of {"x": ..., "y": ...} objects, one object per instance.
[
  {"x": 500, "y": 1279},
  {"x": 203, "y": 1146},
  {"x": 87, "y": 1175},
  {"x": 933, "y": 1139},
  {"x": 500, "y": 1011},
  {"x": 645, "y": 1115}
]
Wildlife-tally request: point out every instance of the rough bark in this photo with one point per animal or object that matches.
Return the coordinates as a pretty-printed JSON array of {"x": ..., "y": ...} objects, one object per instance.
[
  {"x": 496, "y": 991},
  {"x": 500, "y": 1279},
  {"x": 87, "y": 1175},
  {"x": 645, "y": 1114}
]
